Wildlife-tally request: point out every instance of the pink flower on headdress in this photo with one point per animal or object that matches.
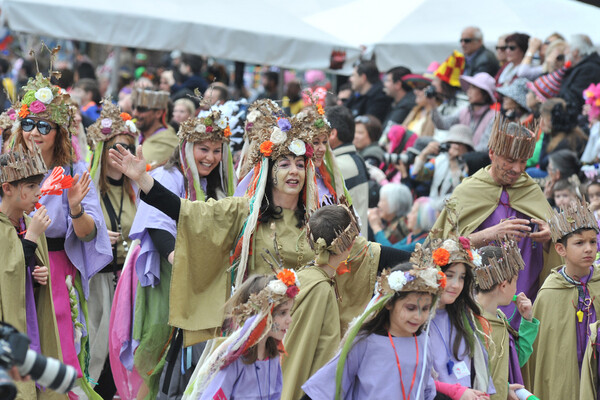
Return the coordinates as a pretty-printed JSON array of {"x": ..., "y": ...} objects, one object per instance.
[
  {"x": 309, "y": 150},
  {"x": 465, "y": 243},
  {"x": 292, "y": 291},
  {"x": 12, "y": 114},
  {"x": 37, "y": 107},
  {"x": 209, "y": 129}
]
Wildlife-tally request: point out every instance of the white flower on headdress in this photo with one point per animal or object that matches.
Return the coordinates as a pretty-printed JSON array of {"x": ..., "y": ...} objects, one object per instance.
[
  {"x": 277, "y": 287},
  {"x": 222, "y": 123},
  {"x": 106, "y": 122},
  {"x": 327, "y": 122},
  {"x": 450, "y": 245},
  {"x": 200, "y": 128},
  {"x": 44, "y": 95},
  {"x": 297, "y": 147},
  {"x": 278, "y": 136},
  {"x": 131, "y": 126},
  {"x": 252, "y": 116},
  {"x": 476, "y": 258},
  {"x": 430, "y": 277},
  {"x": 397, "y": 280}
]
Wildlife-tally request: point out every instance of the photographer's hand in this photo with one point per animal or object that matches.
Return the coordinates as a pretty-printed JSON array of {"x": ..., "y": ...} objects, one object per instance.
[{"x": 16, "y": 376}]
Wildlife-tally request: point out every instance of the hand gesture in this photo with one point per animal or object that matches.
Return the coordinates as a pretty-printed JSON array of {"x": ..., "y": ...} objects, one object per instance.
[
  {"x": 515, "y": 228},
  {"x": 472, "y": 394},
  {"x": 595, "y": 205},
  {"x": 38, "y": 225},
  {"x": 511, "y": 390},
  {"x": 432, "y": 148},
  {"x": 132, "y": 166},
  {"x": 375, "y": 174},
  {"x": 40, "y": 275},
  {"x": 534, "y": 44},
  {"x": 78, "y": 191},
  {"x": 524, "y": 306},
  {"x": 113, "y": 236},
  {"x": 543, "y": 234},
  {"x": 374, "y": 218}
]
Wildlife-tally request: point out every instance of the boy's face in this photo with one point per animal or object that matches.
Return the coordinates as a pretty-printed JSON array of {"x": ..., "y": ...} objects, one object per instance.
[
  {"x": 23, "y": 196},
  {"x": 562, "y": 198},
  {"x": 508, "y": 291},
  {"x": 594, "y": 193},
  {"x": 580, "y": 249}
]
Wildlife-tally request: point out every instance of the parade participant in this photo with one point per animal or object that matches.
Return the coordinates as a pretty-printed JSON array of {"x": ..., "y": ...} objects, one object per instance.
[
  {"x": 502, "y": 199},
  {"x": 25, "y": 295},
  {"x": 497, "y": 285},
  {"x": 78, "y": 243},
  {"x": 150, "y": 113},
  {"x": 566, "y": 305},
  {"x": 588, "y": 385},
  {"x": 315, "y": 332},
  {"x": 246, "y": 365},
  {"x": 458, "y": 332},
  {"x": 394, "y": 322},
  {"x": 119, "y": 208}
]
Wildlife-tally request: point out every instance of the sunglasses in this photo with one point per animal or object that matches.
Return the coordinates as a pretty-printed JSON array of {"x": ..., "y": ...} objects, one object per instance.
[
  {"x": 43, "y": 127},
  {"x": 129, "y": 147},
  {"x": 512, "y": 48},
  {"x": 141, "y": 109},
  {"x": 466, "y": 40},
  {"x": 501, "y": 48}
]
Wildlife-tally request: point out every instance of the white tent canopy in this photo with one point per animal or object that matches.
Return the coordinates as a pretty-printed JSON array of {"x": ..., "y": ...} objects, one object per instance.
[{"x": 259, "y": 31}]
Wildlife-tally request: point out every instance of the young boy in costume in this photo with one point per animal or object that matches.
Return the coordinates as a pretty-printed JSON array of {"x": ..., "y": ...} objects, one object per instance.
[
  {"x": 566, "y": 306},
  {"x": 315, "y": 333},
  {"x": 25, "y": 296},
  {"x": 497, "y": 284}
]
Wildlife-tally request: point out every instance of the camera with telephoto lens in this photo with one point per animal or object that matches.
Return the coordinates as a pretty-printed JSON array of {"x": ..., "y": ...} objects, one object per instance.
[
  {"x": 444, "y": 147},
  {"x": 391, "y": 158},
  {"x": 46, "y": 371},
  {"x": 430, "y": 92}
]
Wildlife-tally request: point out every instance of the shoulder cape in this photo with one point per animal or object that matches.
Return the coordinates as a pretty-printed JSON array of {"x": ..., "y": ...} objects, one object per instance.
[{"x": 589, "y": 367}]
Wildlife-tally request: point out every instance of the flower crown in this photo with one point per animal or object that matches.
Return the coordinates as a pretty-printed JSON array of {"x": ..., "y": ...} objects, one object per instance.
[
  {"x": 313, "y": 121},
  {"x": 592, "y": 97},
  {"x": 213, "y": 126},
  {"x": 576, "y": 215},
  {"x": 418, "y": 279},
  {"x": 112, "y": 122},
  {"x": 502, "y": 268},
  {"x": 19, "y": 164},
  {"x": 44, "y": 100}
]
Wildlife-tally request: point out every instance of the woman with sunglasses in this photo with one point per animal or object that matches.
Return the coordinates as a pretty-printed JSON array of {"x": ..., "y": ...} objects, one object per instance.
[
  {"x": 118, "y": 200},
  {"x": 516, "y": 47},
  {"x": 78, "y": 244}
]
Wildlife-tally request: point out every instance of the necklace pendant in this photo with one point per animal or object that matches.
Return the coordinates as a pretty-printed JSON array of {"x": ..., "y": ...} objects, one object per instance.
[
  {"x": 450, "y": 366},
  {"x": 580, "y": 316}
]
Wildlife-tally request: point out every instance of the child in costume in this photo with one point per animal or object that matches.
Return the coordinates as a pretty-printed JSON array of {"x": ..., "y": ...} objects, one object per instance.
[
  {"x": 497, "y": 285},
  {"x": 564, "y": 193},
  {"x": 566, "y": 306},
  {"x": 25, "y": 295},
  {"x": 315, "y": 334},
  {"x": 458, "y": 333},
  {"x": 246, "y": 365},
  {"x": 385, "y": 354}
]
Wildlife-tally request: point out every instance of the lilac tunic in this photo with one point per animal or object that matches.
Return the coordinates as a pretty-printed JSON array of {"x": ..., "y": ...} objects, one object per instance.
[
  {"x": 514, "y": 370},
  {"x": 532, "y": 253},
  {"x": 371, "y": 371},
  {"x": 147, "y": 217},
  {"x": 239, "y": 381},
  {"x": 88, "y": 257}
]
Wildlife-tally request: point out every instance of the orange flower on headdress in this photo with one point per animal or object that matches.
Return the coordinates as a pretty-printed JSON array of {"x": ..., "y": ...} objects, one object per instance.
[
  {"x": 266, "y": 148},
  {"x": 227, "y": 132},
  {"x": 24, "y": 111},
  {"x": 286, "y": 276},
  {"x": 441, "y": 257},
  {"x": 470, "y": 255},
  {"x": 442, "y": 279},
  {"x": 125, "y": 116},
  {"x": 320, "y": 109}
]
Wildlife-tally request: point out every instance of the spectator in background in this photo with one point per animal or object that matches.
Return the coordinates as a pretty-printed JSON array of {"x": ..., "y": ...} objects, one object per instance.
[
  {"x": 516, "y": 47},
  {"x": 351, "y": 165},
  {"x": 403, "y": 98},
  {"x": 368, "y": 97},
  {"x": 388, "y": 219},
  {"x": 167, "y": 80},
  {"x": 554, "y": 57},
  {"x": 514, "y": 100},
  {"x": 293, "y": 101},
  {"x": 270, "y": 84},
  {"x": 344, "y": 93},
  {"x": 191, "y": 71},
  {"x": 501, "y": 50},
  {"x": 86, "y": 93},
  {"x": 183, "y": 109},
  {"x": 477, "y": 57},
  {"x": 84, "y": 70},
  {"x": 366, "y": 136},
  {"x": 585, "y": 70},
  {"x": 446, "y": 82},
  {"x": 215, "y": 95},
  {"x": 591, "y": 154}
]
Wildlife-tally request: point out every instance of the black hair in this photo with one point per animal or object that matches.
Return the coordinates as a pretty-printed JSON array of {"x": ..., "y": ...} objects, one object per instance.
[
  {"x": 563, "y": 240},
  {"x": 372, "y": 125},
  {"x": 520, "y": 39},
  {"x": 272, "y": 76},
  {"x": 397, "y": 74},
  {"x": 269, "y": 211},
  {"x": 487, "y": 253},
  {"x": 368, "y": 68},
  {"x": 223, "y": 92},
  {"x": 66, "y": 78},
  {"x": 341, "y": 119},
  {"x": 86, "y": 70},
  {"x": 89, "y": 85},
  {"x": 567, "y": 162},
  {"x": 327, "y": 222},
  {"x": 194, "y": 62}
]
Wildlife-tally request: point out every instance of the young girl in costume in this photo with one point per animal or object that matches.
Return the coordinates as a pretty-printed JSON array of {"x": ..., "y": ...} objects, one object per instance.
[
  {"x": 385, "y": 354},
  {"x": 119, "y": 208},
  {"x": 566, "y": 306},
  {"x": 25, "y": 295},
  {"x": 246, "y": 365},
  {"x": 78, "y": 242},
  {"x": 496, "y": 286},
  {"x": 201, "y": 169},
  {"x": 458, "y": 331}
]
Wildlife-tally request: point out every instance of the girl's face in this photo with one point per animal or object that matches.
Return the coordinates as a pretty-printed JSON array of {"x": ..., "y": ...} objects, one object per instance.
[
  {"x": 411, "y": 218},
  {"x": 208, "y": 155},
  {"x": 288, "y": 175},
  {"x": 455, "y": 282},
  {"x": 562, "y": 198},
  {"x": 320, "y": 147},
  {"x": 593, "y": 193},
  {"x": 282, "y": 319},
  {"x": 44, "y": 142},
  {"x": 407, "y": 315},
  {"x": 475, "y": 95},
  {"x": 361, "y": 137},
  {"x": 180, "y": 113}
]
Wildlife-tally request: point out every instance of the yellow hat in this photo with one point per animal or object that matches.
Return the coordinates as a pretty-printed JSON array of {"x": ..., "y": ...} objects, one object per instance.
[{"x": 451, "y": 69}]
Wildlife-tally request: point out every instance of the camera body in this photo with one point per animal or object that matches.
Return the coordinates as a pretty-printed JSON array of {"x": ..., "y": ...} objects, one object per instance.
[
  {"x": 444, "y": 147},
  {"x": 48, "y": 372},
  {"x": 430, "y": 92}
]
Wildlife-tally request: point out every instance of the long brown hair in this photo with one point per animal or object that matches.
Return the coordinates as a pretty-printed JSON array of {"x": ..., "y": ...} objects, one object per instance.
[
  {"x": 103, "y": 179},
  {"x": 63, "y": 150}
]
